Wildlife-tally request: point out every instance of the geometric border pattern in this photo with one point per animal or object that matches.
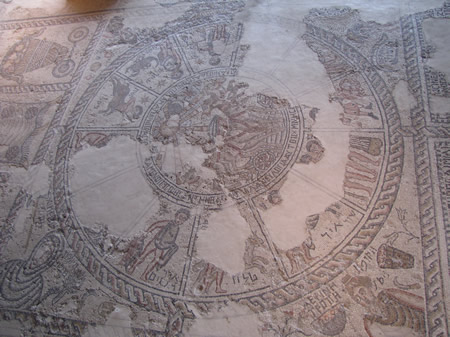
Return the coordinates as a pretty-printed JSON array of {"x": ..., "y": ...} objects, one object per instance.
[{"x": 413, "y": 42}]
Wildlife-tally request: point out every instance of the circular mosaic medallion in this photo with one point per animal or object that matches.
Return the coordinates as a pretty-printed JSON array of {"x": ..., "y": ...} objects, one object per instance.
[
  {"x": 204, "y": 139},
  {"x": 247, "y": 139}
]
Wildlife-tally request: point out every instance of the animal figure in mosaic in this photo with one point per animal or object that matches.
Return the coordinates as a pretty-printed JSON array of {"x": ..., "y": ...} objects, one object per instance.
[
  {"x": 251, "y": 257},
  {"x": 128, "y": 109},
  {"x": 143, "y": 62},
  {"x": 208, "y": 274},
  {"x": 166, "y": 60}
]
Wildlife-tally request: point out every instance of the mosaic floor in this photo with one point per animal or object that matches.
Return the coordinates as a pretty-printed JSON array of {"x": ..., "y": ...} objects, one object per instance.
[{"x": 224, "y": 168}]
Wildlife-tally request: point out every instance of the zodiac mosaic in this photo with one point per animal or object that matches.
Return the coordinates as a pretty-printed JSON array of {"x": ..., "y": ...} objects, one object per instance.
[{"x": 159, "y": 176}]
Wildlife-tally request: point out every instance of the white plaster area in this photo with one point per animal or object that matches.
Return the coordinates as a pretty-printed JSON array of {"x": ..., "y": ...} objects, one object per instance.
[
  {"x": 266, "y": 52},
  {"x": 440, "y": 104},
  {"x": 381, "y": 11},
  {"x": 34, "y": 179},
  {"x": 437, "y": 34},
  {"x": 118, "y": 323},
  {"x": 230, "y": 321},
  {"x": 223, "y": 242},
  {"x": 309, "y": 189},
  {"x": 405, "y": 101},
  {"x": 107, "y": 187},
  {"x": 176, "y": 157},
  {"x": 378, "y": 330}
]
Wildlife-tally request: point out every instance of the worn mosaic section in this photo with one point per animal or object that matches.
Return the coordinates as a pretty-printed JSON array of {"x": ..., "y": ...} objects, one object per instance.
[
  {"x": 385, "y": 54},
  {"x": 158, "y": 179},
  {"x": 442, "y": 156}
]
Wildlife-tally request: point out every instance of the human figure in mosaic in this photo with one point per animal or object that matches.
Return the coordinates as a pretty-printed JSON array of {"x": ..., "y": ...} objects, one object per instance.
[{"x": 162, "y": 244}]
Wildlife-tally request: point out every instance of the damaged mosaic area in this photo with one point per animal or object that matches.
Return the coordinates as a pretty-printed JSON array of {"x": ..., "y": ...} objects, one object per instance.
[{"x": 224, "y": 168}]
